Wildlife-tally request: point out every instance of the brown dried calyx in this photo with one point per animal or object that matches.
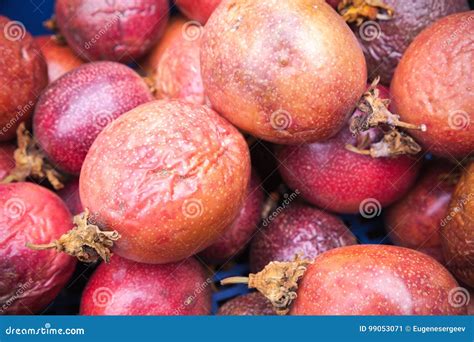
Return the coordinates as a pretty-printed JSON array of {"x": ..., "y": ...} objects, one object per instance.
[
  {"x": 358, "y": 11},
  {"x": 52, "y": 25},
  {"x": 31, "y": 162},
  {"x": 278, "y": 282},
  {"x": 85, "y": 241}
]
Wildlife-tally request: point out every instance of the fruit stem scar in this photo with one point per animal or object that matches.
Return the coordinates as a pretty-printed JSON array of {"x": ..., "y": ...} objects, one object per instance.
[
  {"x": 278, "y": 282},
  {"x": 358, "y": 11},
  {"x": 85, "y": 241}
]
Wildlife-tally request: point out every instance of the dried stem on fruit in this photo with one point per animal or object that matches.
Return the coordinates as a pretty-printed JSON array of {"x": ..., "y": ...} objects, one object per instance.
[
  {"x": 85, "y": 241},
  {"x": 278, "y": 282},
  {"x": 52, "y": 25},
  {"x": 358, "y": 11},
  {"x": 31, "y": 162}
]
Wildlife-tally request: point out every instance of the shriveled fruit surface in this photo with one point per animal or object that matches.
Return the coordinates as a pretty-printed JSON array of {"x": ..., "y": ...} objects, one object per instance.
[
  {"x": 174, "y": 64},
  {"x": 252, "y": 304},
  {"x": 334, "y": 178},
  {"x": 375, "y": 280},
  {"x": 438, "y": 91},
  {"x": 128, "y": 288},
  {"x": 59, "y": 58},
  {"x": 284, "y": 71},
  {"x": 7, "y": 162},
  {"x": 298, "y": 229},
  {"x": 458, "y": 233},
  {"x": 199, "y": 10},
  {"x": 30, "y": 280},
  {"x": 23, "y": 76},
  {"x": 72, "y": 111},
  {"x": 169, "y": 177},
  {"x": 240, "y": 232},
  {"x": 111, "y": 30},
  {"x": 415, "y": 220},
  {"x": 385, "y": 41}
]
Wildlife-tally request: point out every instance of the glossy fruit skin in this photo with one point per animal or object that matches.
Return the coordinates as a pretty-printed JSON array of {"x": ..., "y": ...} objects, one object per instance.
[
  {"x": 73, "y": 110},
  {"x": 7, "y": 162},
  {"x": 169, "y": 176},
  {"x": 59, "y": 58},
  {"x": 457, "y": 235},
  {"x": 22, "y": 77},
  {"x": 127, "y": 288},
  {"x": 375, "y": 280},
  {"x": 261, "y": 74},
  {"x": 174, "y": 63},
  {"x": 439, "y": 94},
  {"x": 298, "y": 230},
  {"x": 333, "y": 178},
  {"x": 384, "y": 47},
  {"x": 30, "y": 280},
  {"x": 111, "y": 30},
  {"x": 252, "y": 304},
  {"x": 414, "y": 221},
  {"x": 240, "y": 232},
  {"x": 199, "y": 10},
  {"x": 70, "y": 195}
]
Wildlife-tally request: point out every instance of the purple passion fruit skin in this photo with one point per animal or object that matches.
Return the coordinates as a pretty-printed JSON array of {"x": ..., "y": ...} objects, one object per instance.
[{"x": 252, "y": 304}]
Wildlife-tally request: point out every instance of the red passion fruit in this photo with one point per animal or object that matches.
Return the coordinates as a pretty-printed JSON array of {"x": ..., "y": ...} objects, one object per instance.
[
  {"x": 284, "y": 71},
  {"x": 7, "y": 161},
  {"x": 169, "y": 176},
  {"x": 70, "y": 195},
  {"x": 252, "y": 304},
  {"x": 30, "y": 280},
  {"x": 199, "y": 10}
]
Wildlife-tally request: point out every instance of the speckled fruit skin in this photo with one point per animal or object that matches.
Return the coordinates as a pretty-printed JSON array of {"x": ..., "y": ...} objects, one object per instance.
[
  {"x": 174, "y": 63},
  {"x": 286, "y": 71},
  {"x": 23, "y": 76},
  {"x": 169, "y": 176},
  {"x": 252, "y": 304},
  {"x": 199, "y": 10},
  {"x": 128, "y": 288},
  {"x": 70, "y": 195},
  {"x": 438, "y": 91},
  {"x": 59, "y": 58},
  {"x": 383, "y": 53},
  {"x": 73, "y": 110},
  {"x": 457, "y": 236},
  {"x": 7, "y": 162},
  {"x": 298, "y": 229},
  {"x": 375, "y": 280},
  {"x": 331, "y": 177},
  {"x": 240, "y": 232},
  {"x": 111, "y": 30},
  {"x": 30, "y": 280},
  {"x": 415, "y": 220}
]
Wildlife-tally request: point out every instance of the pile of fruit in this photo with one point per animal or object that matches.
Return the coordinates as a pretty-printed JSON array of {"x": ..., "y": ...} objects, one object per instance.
[{"x": 159, "y": 143}]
